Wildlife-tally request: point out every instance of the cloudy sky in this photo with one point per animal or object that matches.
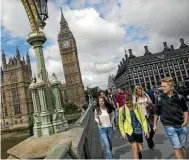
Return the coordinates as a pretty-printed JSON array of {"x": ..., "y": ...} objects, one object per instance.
[{"x": 102, "y": 28}]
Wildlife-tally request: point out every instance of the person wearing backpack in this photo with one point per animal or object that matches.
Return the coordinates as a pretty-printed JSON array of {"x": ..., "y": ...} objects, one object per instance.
[
  {"x": 150, "y": 93},
  {"x": 104, "y": 116},
  {"x": 144, "y": 101},
  {"x": 132, "y": 123},
  {"x": 173, "y": 112}
]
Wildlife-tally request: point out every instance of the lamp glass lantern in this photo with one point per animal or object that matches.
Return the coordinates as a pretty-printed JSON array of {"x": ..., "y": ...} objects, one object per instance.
[{"x": 42, "y": 9}]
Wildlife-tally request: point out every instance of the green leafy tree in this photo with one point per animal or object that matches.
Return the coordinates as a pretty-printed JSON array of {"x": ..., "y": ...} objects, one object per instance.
[
  {"x": 106, "y": 92},
  {"x": 86, "y": 95},
  {"x": 70, "y": 108},
  {"x": 93, "y": 92}
]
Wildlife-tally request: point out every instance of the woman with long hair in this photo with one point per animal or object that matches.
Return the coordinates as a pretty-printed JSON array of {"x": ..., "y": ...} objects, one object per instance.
[
  {"x": 144, "y": 101},
  {"x": 104, "y": 116}
]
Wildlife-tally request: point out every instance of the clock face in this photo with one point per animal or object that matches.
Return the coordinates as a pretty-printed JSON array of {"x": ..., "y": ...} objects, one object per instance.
[{"x": 66, "y": 44}]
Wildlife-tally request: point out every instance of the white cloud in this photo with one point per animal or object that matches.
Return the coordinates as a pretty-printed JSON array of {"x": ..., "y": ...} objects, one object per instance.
[
  {"x": 164, "y": 20},
  {"x": 101, "y": 41},
  {"x": 14, "y": 18}
]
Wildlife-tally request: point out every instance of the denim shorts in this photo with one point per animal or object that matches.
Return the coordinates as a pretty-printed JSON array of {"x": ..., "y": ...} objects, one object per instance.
[{"x": 177, "y": 136}]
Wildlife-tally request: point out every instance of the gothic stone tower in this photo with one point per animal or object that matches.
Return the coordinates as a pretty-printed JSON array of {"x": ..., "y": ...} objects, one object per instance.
[
  {"x": 72, "y": 73},
  {"x": 16, "y": 102}
]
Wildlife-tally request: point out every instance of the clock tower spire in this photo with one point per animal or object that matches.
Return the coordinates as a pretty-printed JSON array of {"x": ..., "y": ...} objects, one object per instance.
[{"x": 70, "y": 61}]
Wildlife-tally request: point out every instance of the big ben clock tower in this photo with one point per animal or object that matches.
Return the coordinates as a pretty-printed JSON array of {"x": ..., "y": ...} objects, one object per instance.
[{"x": 69, "y": 56}]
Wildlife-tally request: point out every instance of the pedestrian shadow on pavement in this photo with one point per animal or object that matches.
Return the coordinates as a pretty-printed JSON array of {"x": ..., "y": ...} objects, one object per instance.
[
  {"x": 187, "y": 153},
  {"x": 159, "y": 138},
  {"x": 173, "y": 155},
  {"x": 117, "y": 140},
  {"x": 152, "y": 154},
  {"x": 121, "y": 152}
]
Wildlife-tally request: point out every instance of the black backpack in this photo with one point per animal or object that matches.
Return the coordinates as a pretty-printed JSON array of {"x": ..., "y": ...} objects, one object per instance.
[{"x": 159, "y": 99}]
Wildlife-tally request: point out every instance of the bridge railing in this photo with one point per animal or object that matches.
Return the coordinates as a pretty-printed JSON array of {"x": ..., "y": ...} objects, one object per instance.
[{"x": 89, "y": 145}]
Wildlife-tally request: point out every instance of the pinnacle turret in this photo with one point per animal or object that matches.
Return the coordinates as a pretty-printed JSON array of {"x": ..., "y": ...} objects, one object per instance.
[
  {"x": 3, "y": 53},
  {"x": 17, "y": 52}
]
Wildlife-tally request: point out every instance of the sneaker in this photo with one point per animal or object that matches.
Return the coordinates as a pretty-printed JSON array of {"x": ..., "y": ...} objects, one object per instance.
[
  {"x": 139, "y": 155},
  {"x": 153, "y": 148}
]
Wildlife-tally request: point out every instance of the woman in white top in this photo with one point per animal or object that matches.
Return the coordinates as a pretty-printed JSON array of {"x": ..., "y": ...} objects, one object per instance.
[
  {"x": 144, "y": 101},
  {"x": 104, "y": 116}
]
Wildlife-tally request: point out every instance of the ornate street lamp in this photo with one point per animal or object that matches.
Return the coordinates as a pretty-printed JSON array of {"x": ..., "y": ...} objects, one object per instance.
[
  {"x": 48, "y": 111},
  {"x": 42, "y": 9}
]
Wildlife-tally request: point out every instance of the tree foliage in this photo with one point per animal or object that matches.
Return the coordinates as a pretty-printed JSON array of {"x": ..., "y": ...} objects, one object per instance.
[{"x": 70, "y": 108}]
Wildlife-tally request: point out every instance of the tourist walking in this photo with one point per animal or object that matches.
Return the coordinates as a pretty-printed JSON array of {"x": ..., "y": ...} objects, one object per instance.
[
  {"x": 144, "y": 101},
  {"x": 120, "y": 98},
  {"x": 102, "y": 94},
  {"x": 112, "y": 99},
  {"x": 173, "y": 112},
  {"x": 150, "y": 93},
  {"x": 131, "y": 123},
  {"x": 104, "y": 116}
]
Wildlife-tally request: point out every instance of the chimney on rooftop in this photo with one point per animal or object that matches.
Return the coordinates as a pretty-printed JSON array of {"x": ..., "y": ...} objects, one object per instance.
[
  {"x": 166, "y": 48},
  {"x": 147, "y": 52},
  {"x": 172, "y": 47},
  {"x": 182, "y": 43},
  {"x": 131, "y": 54}
]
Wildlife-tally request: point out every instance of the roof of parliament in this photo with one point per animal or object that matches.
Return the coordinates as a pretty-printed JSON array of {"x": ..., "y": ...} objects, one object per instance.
[
  {"x": 148, "y": 57},
  {"x": 14, "y": 62}
]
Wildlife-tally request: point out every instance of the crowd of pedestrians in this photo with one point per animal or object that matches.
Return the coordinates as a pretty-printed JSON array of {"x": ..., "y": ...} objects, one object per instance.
[{"x": 136, "y": 115}]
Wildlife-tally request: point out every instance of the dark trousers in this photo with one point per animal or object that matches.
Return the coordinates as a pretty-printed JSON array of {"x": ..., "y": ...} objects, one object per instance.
[{"x": 150, "y": 139}]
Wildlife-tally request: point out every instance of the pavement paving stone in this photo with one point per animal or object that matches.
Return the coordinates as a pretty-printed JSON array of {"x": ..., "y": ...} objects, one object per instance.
[{"x": 163, "y": 148}]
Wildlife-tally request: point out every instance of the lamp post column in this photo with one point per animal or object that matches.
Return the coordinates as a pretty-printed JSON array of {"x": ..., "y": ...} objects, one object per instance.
[
  {"x": 43, "y": 94},
  {"x": 37, "y": 40}
]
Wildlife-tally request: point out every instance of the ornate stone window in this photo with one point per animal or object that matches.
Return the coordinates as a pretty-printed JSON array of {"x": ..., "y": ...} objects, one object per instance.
[
  {"x": 5, "y": 111},
  {"x": 15, "y": 100},
  {"x": 4, "y": 106}
]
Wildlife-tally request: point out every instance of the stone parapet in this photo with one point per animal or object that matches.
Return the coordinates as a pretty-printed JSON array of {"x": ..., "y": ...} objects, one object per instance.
[{"x": 35, "y": 148}]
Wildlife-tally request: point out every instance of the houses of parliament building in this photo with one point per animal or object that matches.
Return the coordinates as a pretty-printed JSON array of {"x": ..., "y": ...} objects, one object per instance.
[
  {"x": 16, "y": 100},
  {"x": 151, "y": 68}
]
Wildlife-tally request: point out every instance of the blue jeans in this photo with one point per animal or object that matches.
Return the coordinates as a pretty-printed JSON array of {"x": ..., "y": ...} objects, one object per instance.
[
  {"x": 177, "y": 136},
  {"x": 106, "y": 137}
]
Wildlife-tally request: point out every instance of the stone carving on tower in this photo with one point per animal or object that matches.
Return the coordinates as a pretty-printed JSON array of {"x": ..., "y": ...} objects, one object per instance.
[{"x": 69, "y": 56}]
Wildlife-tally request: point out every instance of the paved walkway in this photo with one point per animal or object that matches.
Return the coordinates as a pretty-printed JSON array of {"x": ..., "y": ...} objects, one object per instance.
[{"x": 163, "y": 149}]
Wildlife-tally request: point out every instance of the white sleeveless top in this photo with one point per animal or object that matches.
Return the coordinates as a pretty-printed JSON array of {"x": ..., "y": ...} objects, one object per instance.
[{"x": 104, "y": 118}]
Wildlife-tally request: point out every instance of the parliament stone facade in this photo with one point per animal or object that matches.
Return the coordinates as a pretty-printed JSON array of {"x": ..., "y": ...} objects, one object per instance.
[{"x": 16, "y": 100}]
